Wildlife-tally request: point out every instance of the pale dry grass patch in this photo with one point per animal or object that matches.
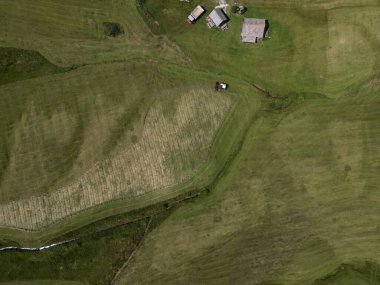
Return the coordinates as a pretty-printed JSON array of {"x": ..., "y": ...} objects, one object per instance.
[{"x": 168, "y": 151}]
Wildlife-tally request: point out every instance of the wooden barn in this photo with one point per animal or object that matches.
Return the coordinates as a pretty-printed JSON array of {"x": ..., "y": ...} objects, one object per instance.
[{"x": 254, "y": 30}]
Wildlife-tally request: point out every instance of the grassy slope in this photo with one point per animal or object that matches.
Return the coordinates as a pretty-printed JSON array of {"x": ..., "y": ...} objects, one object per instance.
[
  {"x": 362, "y": 274},
  {"x": 42, "y": 282},
  {"x": 301, "y": 197},
  {"x": 18, "y": 64},
  {"x": 230, "y": 135},
  {"x": 286, "y": 209},
  {"x": 308, "y": 67},
  {"x": 72, "y": 93},
  {"x": 68, "y": 34},
  {"x": 61, "y": 111},
  {"x": 71, "y": 32}
]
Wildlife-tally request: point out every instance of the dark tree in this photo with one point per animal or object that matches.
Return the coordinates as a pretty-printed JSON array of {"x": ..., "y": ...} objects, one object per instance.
[
  {"x": 111, "y": 29},
  {"x": 235, "y": 9},
  {"x": 242, "y": 10}
]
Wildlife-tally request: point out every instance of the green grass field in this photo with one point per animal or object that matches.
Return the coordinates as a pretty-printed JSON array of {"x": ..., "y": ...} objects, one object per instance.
[
  {"x": 42, "y": 282},
  {"x": 93, "y": 126},
  {"x": 300, "y": 199}
]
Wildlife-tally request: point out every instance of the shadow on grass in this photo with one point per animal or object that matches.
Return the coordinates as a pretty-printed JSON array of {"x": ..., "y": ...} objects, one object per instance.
[{"x": 19, "y": 64}]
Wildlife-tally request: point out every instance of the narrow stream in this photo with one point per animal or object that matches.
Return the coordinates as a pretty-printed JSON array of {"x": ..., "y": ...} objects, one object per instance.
[{"x": 15, "y": 248}]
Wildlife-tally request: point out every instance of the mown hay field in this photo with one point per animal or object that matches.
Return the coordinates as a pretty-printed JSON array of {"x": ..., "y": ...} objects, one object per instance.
[
  {"x": 92, "y": 140},
  {"x": 103, "y": 120}
]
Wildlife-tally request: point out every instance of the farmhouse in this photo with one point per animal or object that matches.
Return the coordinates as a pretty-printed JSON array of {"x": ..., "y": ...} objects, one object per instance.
[
  {"x": 254, "y": 30},
  {"x": 217, "y": 19}
]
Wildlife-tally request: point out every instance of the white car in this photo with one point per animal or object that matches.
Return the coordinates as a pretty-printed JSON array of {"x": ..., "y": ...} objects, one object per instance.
[
  {"x": 223, "y": 86},
  {"x": 220, "y": 86}
]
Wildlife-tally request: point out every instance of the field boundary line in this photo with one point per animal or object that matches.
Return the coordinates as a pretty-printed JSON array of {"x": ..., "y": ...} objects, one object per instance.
[
  {"x": 89, "y": 235},
  {"x": 125, "y": 265}
]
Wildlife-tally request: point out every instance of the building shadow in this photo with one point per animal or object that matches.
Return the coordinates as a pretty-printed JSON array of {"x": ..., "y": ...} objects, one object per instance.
[{"x": 266, "y": 29}]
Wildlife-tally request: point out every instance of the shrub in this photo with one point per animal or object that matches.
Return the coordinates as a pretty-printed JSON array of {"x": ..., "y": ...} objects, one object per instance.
[
  {"x": 235, "y": 9},
  {"x": 242, "y": 10},
  {"x": 111, "y": 29}
]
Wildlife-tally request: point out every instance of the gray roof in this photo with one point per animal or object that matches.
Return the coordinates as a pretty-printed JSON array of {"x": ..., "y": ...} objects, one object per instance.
[
  {"x": 253, "y": 30},
  {"x": 218, "y": 17}
]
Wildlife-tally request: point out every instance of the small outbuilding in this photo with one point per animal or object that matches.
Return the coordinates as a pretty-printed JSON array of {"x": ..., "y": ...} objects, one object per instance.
[
  {"x": 195, "y": 14},
  {"x": 217, "y": 19},
  {"x": 254, "y": 30}
]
